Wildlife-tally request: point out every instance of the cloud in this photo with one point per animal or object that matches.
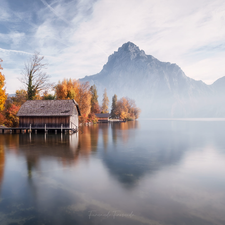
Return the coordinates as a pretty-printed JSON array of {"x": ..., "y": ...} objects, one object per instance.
[
  {"x": 7, "y": 51},
  {"x": 57, "y": 14},
  {"x": 169, "y": 30},
  {"x": 78, "y": 36}
]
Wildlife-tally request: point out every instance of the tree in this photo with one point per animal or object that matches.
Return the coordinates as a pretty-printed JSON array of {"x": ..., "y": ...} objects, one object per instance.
[
  {"x": 126, "y": 109},
  {"x": 11, "y": 120},
  {"x": 48, "y": 96},
  {"x": 84, "y": 99},
  {"x": 114, "y": 103},
  {"x": 2, "y": 119},
  {"x": 20, "y": 98},
  {"x": 122, "y": 109},
  {"x": 67, "y": 89},
  {"x": 3, "y": 95},
  {"x": 105, "y": 102},
  {"x": 95, "y": 108},
  {"x": 33, "y": 77}
]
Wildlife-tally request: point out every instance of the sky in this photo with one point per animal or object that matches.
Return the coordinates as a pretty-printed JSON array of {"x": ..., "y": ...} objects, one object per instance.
[{"x": 77, "y": 36}]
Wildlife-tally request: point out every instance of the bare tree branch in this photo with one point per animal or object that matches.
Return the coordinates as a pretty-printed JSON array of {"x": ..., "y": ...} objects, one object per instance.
[{"x": 33, "y": 76}]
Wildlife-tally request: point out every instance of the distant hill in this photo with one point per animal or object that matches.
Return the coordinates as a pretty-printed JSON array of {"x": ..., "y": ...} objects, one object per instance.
[{"x": 160, "y": 89}]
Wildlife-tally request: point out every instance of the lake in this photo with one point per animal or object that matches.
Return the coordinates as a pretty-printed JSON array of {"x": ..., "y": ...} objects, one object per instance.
[{"x": 140, "y": 172}]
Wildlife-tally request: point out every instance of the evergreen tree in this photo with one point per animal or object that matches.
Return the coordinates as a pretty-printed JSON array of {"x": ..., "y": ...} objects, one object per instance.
[
  {"x": 94, "y": 100},
  {"x": 114, "y": 103},
  {"x": 105, "y": 103}
]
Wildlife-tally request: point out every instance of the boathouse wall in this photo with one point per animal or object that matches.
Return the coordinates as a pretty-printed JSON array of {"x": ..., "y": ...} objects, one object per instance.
[{"x": 49, "y": 121}]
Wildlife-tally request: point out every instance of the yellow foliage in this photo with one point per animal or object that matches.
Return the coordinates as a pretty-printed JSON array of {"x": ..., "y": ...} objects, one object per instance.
[
  {"x": 83, "y": 99},
  {"x": 73, "y": 89},
  {"x": 67, "y": 89},
  {"x": 3, "y": 95},
  {"x": 126, "y": 109},
  {"x": 20, "y": 98}
]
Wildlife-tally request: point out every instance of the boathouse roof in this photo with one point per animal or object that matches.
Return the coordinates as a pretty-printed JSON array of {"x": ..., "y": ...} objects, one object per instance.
[
  {"x": 102, "y": 115},
  {"x": 49, "y": 108}
]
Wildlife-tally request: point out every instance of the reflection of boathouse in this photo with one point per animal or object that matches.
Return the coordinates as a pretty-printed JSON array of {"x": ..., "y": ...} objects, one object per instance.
[{"x": 49, "y": 113}]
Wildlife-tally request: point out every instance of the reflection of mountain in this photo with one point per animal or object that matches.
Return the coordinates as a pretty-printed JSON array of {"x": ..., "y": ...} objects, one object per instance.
[{"x": 152, "y": 152}]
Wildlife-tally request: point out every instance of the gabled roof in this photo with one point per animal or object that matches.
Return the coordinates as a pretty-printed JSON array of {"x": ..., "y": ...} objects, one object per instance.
[
  {"x": 49, "y": 108},
  {"x": 102, "y": 115}
]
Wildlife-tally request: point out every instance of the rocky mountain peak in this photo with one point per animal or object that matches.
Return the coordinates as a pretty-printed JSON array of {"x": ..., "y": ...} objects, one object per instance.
[
  {"x": 160, "y": 89},
  {"x": 129, "y": 47},
  {"x": 126, "y": 53}
]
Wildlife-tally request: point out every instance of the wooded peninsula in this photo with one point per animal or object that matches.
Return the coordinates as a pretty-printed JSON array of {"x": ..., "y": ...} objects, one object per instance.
[{"x": 37, "y": 87}]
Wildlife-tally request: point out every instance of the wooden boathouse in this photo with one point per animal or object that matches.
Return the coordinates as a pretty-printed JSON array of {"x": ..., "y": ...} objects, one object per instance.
[
  {"x": 102, "y": 117},
  {"x": 48, "y": 115}
]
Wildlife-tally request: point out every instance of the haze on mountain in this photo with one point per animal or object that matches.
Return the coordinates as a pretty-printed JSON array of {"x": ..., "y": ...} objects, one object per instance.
[{"x": 160, "y": 89}]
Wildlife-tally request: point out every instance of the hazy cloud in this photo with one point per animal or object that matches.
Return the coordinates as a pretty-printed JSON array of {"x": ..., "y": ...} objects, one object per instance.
[{"x": 80, "y": 35}]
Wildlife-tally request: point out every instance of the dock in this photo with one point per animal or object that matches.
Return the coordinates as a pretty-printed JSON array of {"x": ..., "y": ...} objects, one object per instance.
[{"x": 36, "y": 130}]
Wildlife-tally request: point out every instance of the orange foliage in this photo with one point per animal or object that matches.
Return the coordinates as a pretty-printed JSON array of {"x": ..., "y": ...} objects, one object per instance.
[
  {"x": 2, "y": 119},
  {"x": 11, "y": 120},
  {"x": 80, "y": 92},
  {"x": 67, "y": 89},
  {"x": 95, "y": 108},
  {"x": 126, "y": 109},
  {"x": 92, "y": 118},
  {"x": 73, "y": 89},
  {"x": 3, "y": 96},
  {"x": 20, "y": 98},
  {"x": 84, "y": 99}
]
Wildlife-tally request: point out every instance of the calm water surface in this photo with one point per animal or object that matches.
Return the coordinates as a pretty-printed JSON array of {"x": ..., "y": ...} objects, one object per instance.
[{"x": 143, "y": 172}]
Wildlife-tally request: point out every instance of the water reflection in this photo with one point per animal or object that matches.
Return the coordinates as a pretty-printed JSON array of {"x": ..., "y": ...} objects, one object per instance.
[
  {"x": 119, "y": 130},
  {"x": 2, "y": 162},
  {"x": 165, "y": 172},
  {"x": 146, "y": 153}
]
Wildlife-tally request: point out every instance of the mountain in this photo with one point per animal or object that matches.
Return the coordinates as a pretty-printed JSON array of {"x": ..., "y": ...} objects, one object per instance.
[
  {"x": 160, "y": 89},
  {"x": 218, "y": 86}
]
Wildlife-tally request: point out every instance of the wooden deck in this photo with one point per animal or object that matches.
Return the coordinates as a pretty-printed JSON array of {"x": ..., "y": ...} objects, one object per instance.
[{"x": 37, "y": 130}]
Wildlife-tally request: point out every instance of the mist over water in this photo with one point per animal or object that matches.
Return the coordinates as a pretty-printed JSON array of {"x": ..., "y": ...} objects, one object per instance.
[{"x": 141, "y": 172}]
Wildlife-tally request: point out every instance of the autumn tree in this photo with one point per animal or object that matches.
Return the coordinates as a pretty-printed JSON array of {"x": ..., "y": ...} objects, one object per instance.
[
  {"x": 80, "y": 92},
  {"x": 67, "y": 89},
  {"x": 105, "y": 103},
  {"x": 84, "y": 99},
  {"x": 11, "y": 120},
  {"x": 2, "y": 119},
  {"x": 3, "y": 95},
  {"x": 34, "y": 78},
  {"x": 122, "y": 108},
  {"x": 114, "y": 103},
  {"x": 95, "y": 108},
  {"x": 48, "y": 96},
  {"x": 133, "y": 110},
  {"x": 126, "y": 109},
  {"x": 20, "y": 97}
]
